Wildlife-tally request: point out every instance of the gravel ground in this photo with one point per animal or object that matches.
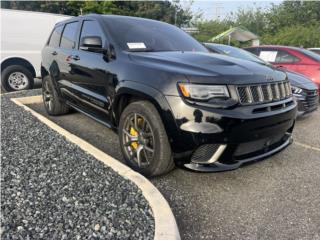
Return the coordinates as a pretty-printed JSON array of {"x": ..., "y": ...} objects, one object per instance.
[
  {"x": 278, "y": 198},
  {"x": 51, "y": 189}
]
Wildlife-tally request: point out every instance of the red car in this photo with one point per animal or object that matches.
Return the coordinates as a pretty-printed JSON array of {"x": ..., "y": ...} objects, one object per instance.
[{"x": 292, "y": 58}]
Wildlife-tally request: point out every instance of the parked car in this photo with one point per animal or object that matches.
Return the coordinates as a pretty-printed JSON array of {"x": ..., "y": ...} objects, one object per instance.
[
  {"x": 168, "y": 98},
  {"x": 304, "y": 90},
  {"x": 292, "y": 58},
  {"x": 316, "y": 50},
  {"x": 24, "y": 33}
]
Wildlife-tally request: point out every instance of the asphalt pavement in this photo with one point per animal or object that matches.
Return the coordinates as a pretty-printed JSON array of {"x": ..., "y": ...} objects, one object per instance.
[
  {"x": 51, "y": 189},
  {"x": 278, "y": 198}
]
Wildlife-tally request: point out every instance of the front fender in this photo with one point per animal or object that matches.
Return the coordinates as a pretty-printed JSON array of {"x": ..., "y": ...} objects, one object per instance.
[{"x": 156, "y": 98}]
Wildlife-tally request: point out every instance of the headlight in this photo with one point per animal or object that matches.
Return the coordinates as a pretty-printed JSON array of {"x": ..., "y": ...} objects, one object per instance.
[
  {"x": 203, "y": 92},
  {"x": 296, "y": 90}
]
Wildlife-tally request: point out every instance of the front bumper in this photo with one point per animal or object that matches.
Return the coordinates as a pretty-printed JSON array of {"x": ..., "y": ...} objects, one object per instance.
[
  {"x": 307, "y": 102},
  {"x": 248, "y": 134},
  {"x": 255, "y": 156}
]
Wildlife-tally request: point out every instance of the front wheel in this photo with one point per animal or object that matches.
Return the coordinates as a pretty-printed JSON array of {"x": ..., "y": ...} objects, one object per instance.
[{"x": 143, "y": 139}]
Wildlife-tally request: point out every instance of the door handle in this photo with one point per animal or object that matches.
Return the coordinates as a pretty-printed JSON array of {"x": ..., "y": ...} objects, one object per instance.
[
  {"x": 54, "y": 53},
  {"x": 75, "y": 57}
]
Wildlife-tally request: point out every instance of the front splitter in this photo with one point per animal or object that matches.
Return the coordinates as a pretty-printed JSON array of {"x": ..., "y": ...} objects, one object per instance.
[{"x": 221, "y": 167}]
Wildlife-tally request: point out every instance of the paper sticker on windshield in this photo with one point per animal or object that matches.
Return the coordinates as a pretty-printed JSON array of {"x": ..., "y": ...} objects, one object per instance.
[
  {"x": 136, "y": 45},
  {"x": 269, "y": 56}
]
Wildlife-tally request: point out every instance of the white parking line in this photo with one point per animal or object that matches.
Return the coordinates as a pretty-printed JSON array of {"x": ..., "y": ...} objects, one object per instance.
[{"x": 307, "y": 146}]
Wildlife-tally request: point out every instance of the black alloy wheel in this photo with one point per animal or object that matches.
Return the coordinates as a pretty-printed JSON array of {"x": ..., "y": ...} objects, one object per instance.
[
  {"x": 138, "y": 139},
  {"x": 47, "y": 96}
]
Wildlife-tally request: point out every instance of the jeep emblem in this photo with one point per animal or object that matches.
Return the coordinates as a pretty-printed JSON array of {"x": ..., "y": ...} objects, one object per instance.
[{"x": 269, "y": 78}]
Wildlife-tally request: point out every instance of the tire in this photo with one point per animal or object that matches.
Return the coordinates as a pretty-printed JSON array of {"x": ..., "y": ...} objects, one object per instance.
[
  {"x": 17, "y": 73},
  {"x": 52, "y": 103},
  {"x": 161, "y": 161}
]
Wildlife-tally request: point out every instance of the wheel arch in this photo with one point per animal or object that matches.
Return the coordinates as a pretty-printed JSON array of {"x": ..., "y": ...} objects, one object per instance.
[
  {"x": 18, "y": 61},
  {"x": 136, "y": 91}
]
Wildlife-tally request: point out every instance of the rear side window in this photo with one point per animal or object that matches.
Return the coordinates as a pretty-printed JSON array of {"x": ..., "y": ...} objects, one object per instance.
[
  {"x": 277, "y": 56},
  {"x": 55, "y": 37},
  {"x": 285, "y": 57},
  {"x": 91, "y": 28},
  {"x": 310, "y": 54},
  {"x": 68, "y": 39}
]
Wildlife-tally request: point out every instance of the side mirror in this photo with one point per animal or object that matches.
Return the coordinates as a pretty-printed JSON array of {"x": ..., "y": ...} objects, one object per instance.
[{"x": 91, "y": 43}]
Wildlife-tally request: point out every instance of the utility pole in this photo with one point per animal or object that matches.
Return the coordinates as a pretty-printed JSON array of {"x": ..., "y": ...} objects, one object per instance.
[
  {"x": 218, "y": 10},
  {"x": 175, "y": 17}
]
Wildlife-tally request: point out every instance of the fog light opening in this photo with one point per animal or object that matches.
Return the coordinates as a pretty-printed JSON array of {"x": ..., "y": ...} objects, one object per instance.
[{"x": 208, "y": 153}]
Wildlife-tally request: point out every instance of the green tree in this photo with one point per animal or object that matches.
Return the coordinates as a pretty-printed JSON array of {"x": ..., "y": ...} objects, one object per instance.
[
  {"x": 298, "y": 35},
  {"x": 209, "y": 29},
  {"x": 254, "y": 19},
  {"x": 171, "y": 12},
  {"x": 293, "y": 13}
]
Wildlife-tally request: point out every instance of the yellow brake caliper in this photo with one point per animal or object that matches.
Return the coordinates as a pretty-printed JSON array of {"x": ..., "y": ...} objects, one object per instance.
[{"x": 134, "y": 133}]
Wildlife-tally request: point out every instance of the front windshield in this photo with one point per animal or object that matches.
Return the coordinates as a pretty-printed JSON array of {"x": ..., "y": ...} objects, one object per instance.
[
  {"x": 239, "y": 53},
  {"x": 138, "y": 34}
]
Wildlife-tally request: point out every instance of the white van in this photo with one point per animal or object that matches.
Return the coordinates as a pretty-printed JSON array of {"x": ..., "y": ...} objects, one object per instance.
[{"x": 23, "y": 35}]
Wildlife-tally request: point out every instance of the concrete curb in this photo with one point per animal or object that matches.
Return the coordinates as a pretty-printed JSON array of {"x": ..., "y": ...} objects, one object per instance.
[{"x": 165, "y": 224}]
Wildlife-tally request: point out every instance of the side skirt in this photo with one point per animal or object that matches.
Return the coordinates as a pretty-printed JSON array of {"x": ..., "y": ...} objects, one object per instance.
[{"x": 90, "y": 115}]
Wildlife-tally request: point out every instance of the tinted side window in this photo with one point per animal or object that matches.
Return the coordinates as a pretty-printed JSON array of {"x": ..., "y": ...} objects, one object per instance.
[
  {"x": 277, "y": 56},
  {"x": 252, "y": 50},
  {"x": 316, "y": 51},
  {"x": 55, "y": 37},
  {"x": 285, "y": 57},
  {"x": 68, "y": 39},
  {"x": 91, "y": 28}
]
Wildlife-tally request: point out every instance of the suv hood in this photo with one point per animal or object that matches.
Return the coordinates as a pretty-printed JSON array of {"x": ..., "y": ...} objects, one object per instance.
[
  {"x": 301, "y": 81},
  {"x": 208, "y": 67}
]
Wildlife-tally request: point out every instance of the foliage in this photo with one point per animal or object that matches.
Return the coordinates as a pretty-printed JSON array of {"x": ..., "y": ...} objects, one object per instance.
[
  {"x": 293, "y": 13},
  {"x": 297, "y": 35},
  {"x": 209, "y": 29},
  {"x": 295, "y": 23},
  {"x": 167, "y": 11},
  {"x": 253, "y": 19}
]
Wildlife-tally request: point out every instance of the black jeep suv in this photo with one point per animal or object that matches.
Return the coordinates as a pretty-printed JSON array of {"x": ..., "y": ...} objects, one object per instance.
[{"x": 168, "y": 98}]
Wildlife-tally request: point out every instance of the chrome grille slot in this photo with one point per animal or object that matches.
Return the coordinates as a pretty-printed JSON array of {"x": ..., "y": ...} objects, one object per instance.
[
  {"x": 282, "y": 90},
  {"x": 288, "y": 89},
  {"x": 253, "y": 94},
  {"x": 265, "y": 92}
]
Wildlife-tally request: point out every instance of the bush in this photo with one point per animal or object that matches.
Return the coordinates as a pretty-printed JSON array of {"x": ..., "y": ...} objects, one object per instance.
[{"x": 300, "y": 36}]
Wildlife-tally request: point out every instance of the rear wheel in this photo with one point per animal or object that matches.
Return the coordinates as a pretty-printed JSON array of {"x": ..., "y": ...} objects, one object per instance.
[
  {"x": 143, "y": 139},
  {"x": 52, "y": 103},
  {"x": 16, "y": 78}
]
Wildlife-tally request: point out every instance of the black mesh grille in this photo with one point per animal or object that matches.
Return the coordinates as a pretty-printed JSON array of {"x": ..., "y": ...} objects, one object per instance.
[
  {"x": 312, "y": 99},
  {"x": 204, "y": 153},
  {"x": 242, "y": 94},
  {"x": 253, "y": 94},
  {"x": 265, "y": 93},
  {"x": 275, "y": 93}
]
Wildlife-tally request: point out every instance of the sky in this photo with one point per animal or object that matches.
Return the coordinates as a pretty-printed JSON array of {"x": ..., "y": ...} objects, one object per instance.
[{"x": 212, "y": 9}]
